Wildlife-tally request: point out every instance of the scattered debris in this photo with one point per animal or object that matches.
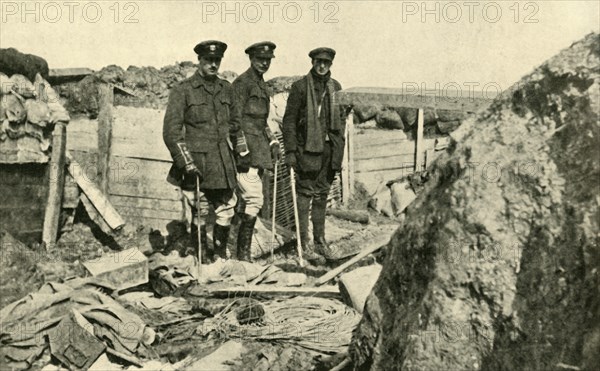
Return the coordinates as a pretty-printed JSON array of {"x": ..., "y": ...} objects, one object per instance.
[
  {"x": 123, "y": 269},
  {"x": 356, "y": 285}
]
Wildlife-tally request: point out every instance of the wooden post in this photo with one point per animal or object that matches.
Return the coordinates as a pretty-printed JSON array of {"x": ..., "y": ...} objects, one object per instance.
[
  {"x": 419, "y": 142},
  {"x": 56, "y": 185},
  {"x": 346, "y": 169},
  {"x": 350, "y": 145},
  {"x": 105, "y": 120}
]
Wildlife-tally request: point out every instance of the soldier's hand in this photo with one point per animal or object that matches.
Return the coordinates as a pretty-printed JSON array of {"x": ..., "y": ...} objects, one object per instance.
[
  {"x": 192, "y": 169},
  {"x": 290, "y": 160},
  {"x": 275, "y": 152}
]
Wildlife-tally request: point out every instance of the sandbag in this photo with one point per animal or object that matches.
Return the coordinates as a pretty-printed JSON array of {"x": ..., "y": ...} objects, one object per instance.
[
  {"x": 389, "y": 120},
  {"x": 38, "y": 112},
  {"x": 5, "y": 84},
  {"x": 22, "y": 86},
  {"x": 14, "y": 110}
]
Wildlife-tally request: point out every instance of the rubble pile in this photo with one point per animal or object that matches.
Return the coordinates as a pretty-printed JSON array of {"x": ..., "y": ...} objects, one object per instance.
[
  {"x": 28, "y": 112},
  {"x": 500, "y": 271}
]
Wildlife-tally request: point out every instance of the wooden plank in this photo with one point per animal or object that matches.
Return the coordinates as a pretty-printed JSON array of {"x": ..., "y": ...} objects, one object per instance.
[
  {"x": 97, "y": 198},
  {"x": 70, "y": 72},
  {"x": 135, "y": 170},
  {"x": 137, "y": 133},
  {"x": 376, "y": 140},
  {"x": 268, "y": 290},
  {"x": 94, "y": 215},
  {"x": 56, "y": 184},
  {"x": 383, "y": 163},
  {"x": 468, "y": 101},
  {"x": 156, "y": 189},
  {"x": 82, "y": 134},
  {"x": 369, "y": 249},
  {"x": 23, "y": 195},
  {"x": 419, "y": 142},
  {"x": 138, "y": 212},
  {"x": 105, "y": 119},
  {"x": 146, "y": 203}
]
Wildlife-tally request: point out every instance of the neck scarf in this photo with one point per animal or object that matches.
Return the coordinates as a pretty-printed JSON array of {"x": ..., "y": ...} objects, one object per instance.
[{"x": 314, "y": 136}]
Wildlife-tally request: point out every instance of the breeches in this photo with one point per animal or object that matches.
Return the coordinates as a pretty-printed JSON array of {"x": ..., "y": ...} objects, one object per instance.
[
  {"x": 222, "y": 200},
  {"x": 251, "y": 190}
]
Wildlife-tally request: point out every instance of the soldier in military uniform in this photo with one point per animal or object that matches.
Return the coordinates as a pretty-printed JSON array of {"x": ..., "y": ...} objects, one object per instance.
[
  {"x": 252, "y": 99},
  {"x": 313, "y": 135},
  {"x": 199, "y": 120}
]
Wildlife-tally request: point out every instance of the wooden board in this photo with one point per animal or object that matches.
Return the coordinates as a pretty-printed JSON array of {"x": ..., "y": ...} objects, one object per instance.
[
  {"x": 137, "y": 133},
  {"x": 82, "y": 135},
  {"x": 471, "y": 101},
  {"x": 383, "y": 163},
  {"x": 160, "y": 190},
  {"x": 384, "y": 150},
  {"x": 24, "y": 191}
]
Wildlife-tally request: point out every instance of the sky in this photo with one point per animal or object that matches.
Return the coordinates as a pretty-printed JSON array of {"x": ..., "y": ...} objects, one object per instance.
[{"x": 430, "y": 44}]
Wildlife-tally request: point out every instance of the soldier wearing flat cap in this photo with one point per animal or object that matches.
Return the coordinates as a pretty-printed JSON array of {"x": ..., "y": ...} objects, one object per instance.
[
  {"x": 313, "y": 135},
  {"x": 199, "y": 120},
  {"x": 252, "y": 99}
]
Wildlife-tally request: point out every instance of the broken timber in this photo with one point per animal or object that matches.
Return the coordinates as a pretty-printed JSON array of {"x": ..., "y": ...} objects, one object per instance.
[
  {"x": 97, "y": 198},
  {"x": 374, "y": 246},
  {"x": 264, "y": 290}
]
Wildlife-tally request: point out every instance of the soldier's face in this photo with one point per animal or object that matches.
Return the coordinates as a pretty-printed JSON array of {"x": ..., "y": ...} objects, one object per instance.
[
  {"x": 321, "y": 66},
  {"x": 260, "y": 64},
  {"x": 209, "y": 66}
]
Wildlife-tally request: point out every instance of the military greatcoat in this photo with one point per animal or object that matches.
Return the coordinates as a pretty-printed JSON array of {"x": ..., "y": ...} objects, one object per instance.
[
  {"x": 252, "y": 99},
  {"x": 201, "y": 116}
]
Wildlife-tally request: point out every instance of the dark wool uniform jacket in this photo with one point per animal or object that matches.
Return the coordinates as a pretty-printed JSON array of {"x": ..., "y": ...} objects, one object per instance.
[
  {"x": 295, "y": 127},
  {"x": 253, "y": 100},
  {"x": 201, "y": 114}
]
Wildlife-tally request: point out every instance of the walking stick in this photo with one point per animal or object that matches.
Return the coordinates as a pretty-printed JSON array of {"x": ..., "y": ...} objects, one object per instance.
[
  {"x": 199, "y": 228},
  {"x": 296, "y": 218},
  {"x": 274, "y": 208}
]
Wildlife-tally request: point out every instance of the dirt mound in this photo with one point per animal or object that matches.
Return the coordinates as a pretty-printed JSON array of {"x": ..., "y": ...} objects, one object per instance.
[
  {"x": 149, "y": 86},
  {"x": 497, "y": 264},
  {"x": 282, "y": 84},
  {"x": 14, "y": 62}
]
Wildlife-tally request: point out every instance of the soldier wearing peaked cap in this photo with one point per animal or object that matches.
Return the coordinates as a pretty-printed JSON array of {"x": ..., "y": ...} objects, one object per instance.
[
  {"x": 253, "y": 100},
  {"x": 199, "y": 120},
  {"x": 313, "y": 135}
]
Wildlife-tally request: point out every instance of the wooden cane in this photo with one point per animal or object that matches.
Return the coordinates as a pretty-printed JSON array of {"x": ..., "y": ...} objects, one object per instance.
[
  {"x": 199, "y": 227},
  {"x": 274, "y": 211},
  {"x": 296, "y": 218}
]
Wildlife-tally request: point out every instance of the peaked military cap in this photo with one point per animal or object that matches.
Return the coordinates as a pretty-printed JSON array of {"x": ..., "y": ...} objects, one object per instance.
[
  {"x": 262, "y": 49},
  {"x": 210, "y": 48},
  {"x": 322, "y": 53}
]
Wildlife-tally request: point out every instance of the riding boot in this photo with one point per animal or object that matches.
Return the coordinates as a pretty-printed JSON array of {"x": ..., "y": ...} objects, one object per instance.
[
  {"x": 319, "y": 206},
  {"x": 220, "y": 237},
  {"x": 244, "y": 240}
]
